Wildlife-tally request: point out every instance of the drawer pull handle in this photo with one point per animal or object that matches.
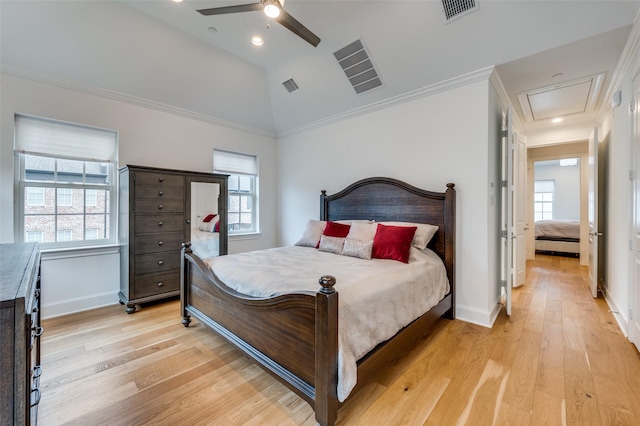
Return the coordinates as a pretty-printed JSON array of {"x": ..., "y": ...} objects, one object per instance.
[
  {"x": 160, "y": 284},
  {"x": 160, "y": 179},
  {"x": 160, "y": 243},
  {"x": 160, "y": 223},
  {"x": 160, "y": 206},
  {"x": 160, "y": 262},
  {"x": 37, "y": 371},
  {"x": 37, "y": 331},
  {"x": 161, "y": 193},
  {"x": 36, "y": 399}
]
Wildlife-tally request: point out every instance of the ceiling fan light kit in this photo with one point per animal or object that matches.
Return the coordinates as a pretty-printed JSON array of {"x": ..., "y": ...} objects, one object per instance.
[{"x": 269, "y": 7}]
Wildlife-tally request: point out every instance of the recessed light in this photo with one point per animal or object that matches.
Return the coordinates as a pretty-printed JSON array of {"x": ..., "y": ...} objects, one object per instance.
[
  {"x": 213, "y": 29},
  {"x": 557, "y": 120},
  {"x": 177, "y": 1},
  {"x": 257, "y": 41}
]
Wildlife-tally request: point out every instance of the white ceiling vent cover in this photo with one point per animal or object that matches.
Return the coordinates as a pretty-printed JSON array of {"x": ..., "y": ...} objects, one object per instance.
[
  {"x": 456, "y": 8},
  {"x": 357, "y": 65},
  {"x": 291, "y": 85}
]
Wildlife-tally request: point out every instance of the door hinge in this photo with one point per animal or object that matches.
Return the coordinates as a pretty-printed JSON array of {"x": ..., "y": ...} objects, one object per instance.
[
  {"x": 503, "y": 234},
  {"x": 503, "y": 283},
  {"x": 632, "y": 175},
  {"x": 503, "y": 184},
  {"x": 630, "y": 245},
  {"x": 504, "y": 133},
  {"x": 630, "y": 314}
]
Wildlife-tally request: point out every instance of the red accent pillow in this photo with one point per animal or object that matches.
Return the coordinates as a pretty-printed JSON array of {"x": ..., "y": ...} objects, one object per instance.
[
  {"x": 335, "y": 229},
  {"x": 393, "y": 242},
  {"x": 216, "y": 227},
  {"x": 209, "y": 217}
]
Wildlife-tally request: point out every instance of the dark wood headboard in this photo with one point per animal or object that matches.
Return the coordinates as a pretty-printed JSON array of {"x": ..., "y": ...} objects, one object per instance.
[{"x": 387, "y": 199}]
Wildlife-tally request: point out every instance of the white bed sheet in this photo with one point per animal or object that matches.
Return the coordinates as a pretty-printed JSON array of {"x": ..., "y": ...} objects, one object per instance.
[
  {"x": 558, "y": 229},
  {"x": 376, "y": 297},
  {"x": 205, "y": 244}
]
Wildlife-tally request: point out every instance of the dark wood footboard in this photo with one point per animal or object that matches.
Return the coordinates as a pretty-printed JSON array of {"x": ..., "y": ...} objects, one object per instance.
[{"x": 294, "y": 336}]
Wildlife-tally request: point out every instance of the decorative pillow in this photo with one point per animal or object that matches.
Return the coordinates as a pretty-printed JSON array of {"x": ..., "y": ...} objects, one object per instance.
[
  {"x": 209, "y": 217},
  {"x": 362, "y": 231},
  {"x": 331, "y": 244},
  {"x": 207, "y": 226},
  {"x": 357, "y": 248},
  {"x": 312, "y": 233},
  {"x": 423, "y": 235},
  {"x": 216, "y": 228},
  {"x": 335, "y": 229},
  {"x": 393, "y": 242}
]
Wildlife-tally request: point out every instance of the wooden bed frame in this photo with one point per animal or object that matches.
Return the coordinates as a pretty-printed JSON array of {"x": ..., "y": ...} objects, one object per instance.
[{"x": 295, "y": 336}]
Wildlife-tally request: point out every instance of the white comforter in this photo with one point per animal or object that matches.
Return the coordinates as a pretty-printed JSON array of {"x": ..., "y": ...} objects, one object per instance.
[{"x": 376, "y": 297}]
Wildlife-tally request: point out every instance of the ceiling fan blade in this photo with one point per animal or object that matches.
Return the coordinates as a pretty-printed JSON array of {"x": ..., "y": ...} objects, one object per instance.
[
  {"x": 297, "y": 28},
  {"x": 232, "y": 9}
]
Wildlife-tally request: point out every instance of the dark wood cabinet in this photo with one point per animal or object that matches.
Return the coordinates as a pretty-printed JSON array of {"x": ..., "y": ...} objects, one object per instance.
[
  {"x": 20, "y": 332},
  {"x": 154, "y": 220}
]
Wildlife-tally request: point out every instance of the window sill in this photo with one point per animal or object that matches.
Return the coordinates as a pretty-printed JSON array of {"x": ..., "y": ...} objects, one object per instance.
[
  {"x": 66, "y": 253},
  {"x": 248, "y": 236}
]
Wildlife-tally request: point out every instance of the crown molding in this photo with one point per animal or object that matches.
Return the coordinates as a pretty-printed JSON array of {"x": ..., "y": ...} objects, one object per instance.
[
  {"x": 133, "y": 100},
  {"x": 443, "y": 86}
]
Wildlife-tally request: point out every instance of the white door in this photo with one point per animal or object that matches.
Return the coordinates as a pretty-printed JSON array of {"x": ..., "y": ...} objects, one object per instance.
[
  {"x": 506, "y": 203},
  {"x": 634, "y": 293},
  {"x": 520, "y": 209},
  {"x": 593, "y": 212}
]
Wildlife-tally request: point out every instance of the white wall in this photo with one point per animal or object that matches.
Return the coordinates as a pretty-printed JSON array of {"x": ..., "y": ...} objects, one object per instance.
[
  {"x": 426, "y": 142},
  {"x": 567, "y": 187},
  {"x": 149, "y": 137}
]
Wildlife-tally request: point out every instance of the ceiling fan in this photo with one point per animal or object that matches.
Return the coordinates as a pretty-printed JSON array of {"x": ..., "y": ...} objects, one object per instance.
[{"x": 273, "y": 9}]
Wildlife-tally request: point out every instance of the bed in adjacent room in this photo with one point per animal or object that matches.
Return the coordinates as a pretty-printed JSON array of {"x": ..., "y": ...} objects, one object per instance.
[
  {"x": 557, "y": 236},
  {"x": 363, "y": 282}
]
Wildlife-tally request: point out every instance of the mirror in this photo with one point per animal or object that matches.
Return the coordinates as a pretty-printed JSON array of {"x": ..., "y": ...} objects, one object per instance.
[{"x": 204, "y": 219}]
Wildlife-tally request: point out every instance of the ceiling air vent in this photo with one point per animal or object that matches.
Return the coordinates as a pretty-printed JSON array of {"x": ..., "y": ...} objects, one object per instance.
[
  {"x": 291, "y": 85},
  {"x": 455, "y": 8},
  {"x": 358, "y": 67}
]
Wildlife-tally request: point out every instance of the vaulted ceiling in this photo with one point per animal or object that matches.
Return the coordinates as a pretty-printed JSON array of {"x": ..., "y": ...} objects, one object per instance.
[{"x": 163, "y": 53}]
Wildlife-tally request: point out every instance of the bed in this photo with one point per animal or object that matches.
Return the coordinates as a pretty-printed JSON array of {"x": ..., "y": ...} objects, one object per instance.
[
  {"x": 557, "y": 236},
  {"x": 295, "y": 335}
]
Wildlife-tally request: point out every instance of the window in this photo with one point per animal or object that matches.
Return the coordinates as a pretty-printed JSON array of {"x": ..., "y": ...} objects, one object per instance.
[
  {"x": 66, "y": 183},
  {"x": 243, "y": 189},
  {"x": 543, "y": 199}
]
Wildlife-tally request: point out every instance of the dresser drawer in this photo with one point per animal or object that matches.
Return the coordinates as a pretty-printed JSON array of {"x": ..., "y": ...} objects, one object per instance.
[
  {"x": 159, "y": 193},
  {"x": 159, "y": 206},
  {"x": 156, "y": 243},
  {"x": 157, "y": 262},
  {"x": 152, "y": 284},
  {"x": 159, "y": 223},
  {"x": 158, "y": 178}
]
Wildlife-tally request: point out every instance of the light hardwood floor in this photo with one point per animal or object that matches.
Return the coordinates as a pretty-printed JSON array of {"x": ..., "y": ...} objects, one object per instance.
[{"x": 559, "y": 359}]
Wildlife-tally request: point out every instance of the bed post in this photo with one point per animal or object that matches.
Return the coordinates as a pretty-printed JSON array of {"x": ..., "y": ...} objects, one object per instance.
[
  {"x": 449, "y": 244},
  {"x": 184, "y": 282},
  {"x": 326, "y": 374}
]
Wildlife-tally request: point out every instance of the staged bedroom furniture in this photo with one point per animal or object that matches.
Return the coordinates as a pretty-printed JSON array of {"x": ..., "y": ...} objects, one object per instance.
[
  {"x": 296, "y": 335},
  {"x": 558, "y": 236},
  {"x": 155, "y": 218},
  {"x": 20, "y": 332}
]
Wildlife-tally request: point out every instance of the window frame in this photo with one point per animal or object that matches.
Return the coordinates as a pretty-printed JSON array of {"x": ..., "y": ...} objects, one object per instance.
[
  {"x": 253, "y": 194},
  {"x": 22, "y": 183},
  {"x": 543, "y": 202}
]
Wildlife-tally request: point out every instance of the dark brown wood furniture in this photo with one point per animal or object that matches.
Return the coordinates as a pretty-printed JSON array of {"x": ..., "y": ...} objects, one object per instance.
[
  {"x": 295, "y": 336},
  {"x": 20, "y": 332},
  {"x": 154, "y": 221}
]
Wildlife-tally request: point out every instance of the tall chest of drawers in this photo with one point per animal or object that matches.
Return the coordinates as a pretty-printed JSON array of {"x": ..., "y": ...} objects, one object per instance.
[
  {"x": 20, "y": 332},
  {"x": 154, "y": 221}
]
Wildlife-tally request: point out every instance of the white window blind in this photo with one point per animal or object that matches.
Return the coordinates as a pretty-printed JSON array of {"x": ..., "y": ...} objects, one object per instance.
[
  {"x": 548, "y": 185},
  {"x": 233, "y": 162},
  {"x": 40, "y": 136}
]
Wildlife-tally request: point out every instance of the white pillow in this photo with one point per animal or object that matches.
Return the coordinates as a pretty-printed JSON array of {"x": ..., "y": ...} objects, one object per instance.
[
  {"x": 364, "y": 231},
  {"x": 423, "y": 234},
  {"x": 312, "y": 233}
]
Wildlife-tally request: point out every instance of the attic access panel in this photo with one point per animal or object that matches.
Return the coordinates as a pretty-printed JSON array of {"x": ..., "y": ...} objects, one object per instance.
[{"x": 571, "y": 97}]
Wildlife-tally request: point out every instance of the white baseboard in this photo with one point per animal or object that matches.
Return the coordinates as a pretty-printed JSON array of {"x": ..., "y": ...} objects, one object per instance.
[
  {"x": 71, "y": 306},
  {"x": 477, "y": 316},
  {"x": 621, "y": 319}
]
